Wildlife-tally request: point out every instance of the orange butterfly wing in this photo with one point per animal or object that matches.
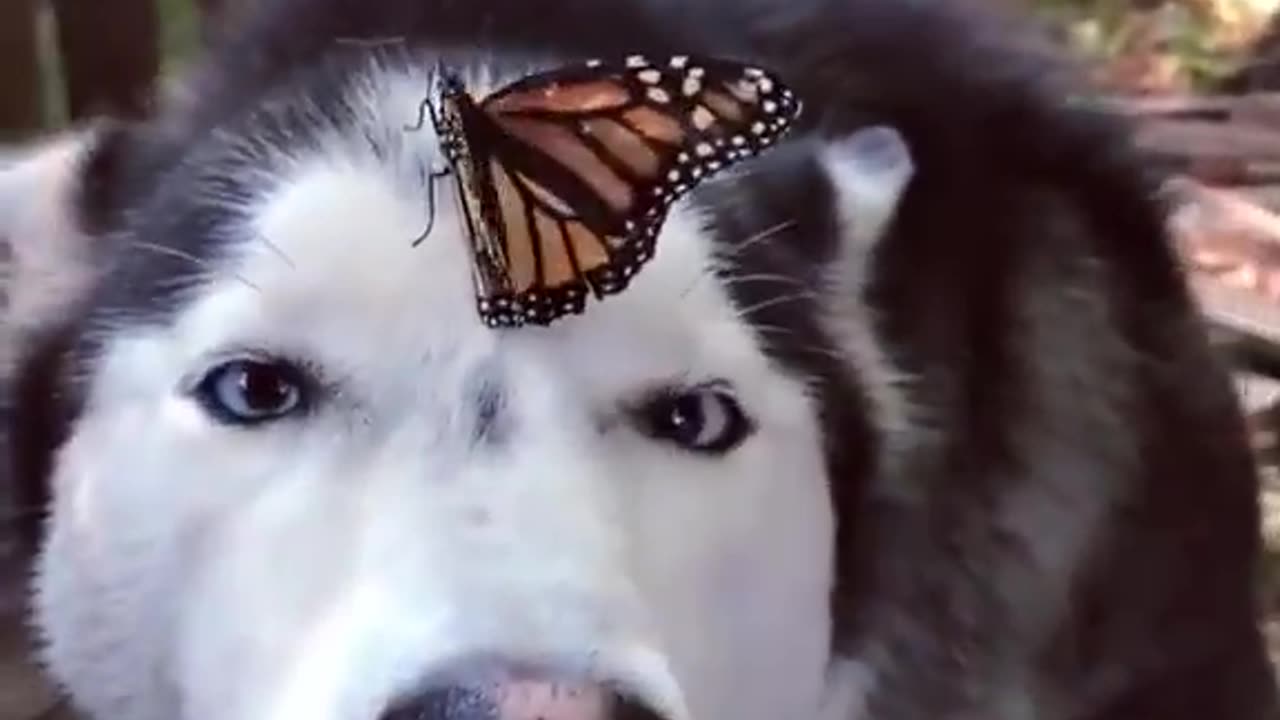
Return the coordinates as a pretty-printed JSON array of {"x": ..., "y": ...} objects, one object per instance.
[{"x": 582, "y": 164}]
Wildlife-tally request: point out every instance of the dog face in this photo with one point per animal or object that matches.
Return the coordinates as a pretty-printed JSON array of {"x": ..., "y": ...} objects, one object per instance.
[{"x": 305, "y": 479}]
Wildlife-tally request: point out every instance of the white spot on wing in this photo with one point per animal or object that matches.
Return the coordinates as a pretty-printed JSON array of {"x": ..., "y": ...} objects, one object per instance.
[{"x": 658, "y": 95}]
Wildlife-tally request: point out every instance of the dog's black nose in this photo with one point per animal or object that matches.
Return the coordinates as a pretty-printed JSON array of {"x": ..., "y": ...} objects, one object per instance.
[{"x": 519, "y": 700}]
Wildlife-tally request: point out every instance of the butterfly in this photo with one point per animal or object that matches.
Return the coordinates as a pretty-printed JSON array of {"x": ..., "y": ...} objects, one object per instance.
[{"x": 565, "y": 177}]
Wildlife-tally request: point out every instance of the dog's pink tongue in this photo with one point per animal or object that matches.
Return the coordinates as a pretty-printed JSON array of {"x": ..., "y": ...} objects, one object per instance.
[{"x": 531, "y": 700}]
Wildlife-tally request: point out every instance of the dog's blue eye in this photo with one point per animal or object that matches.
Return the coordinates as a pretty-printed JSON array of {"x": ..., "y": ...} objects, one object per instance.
[
  {"x": 706, "y": 420},
  {"x": 245, "y": 392}
]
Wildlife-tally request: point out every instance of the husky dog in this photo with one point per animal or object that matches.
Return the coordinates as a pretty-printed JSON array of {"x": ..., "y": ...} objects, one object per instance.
[{"x": 911, "y": 417}]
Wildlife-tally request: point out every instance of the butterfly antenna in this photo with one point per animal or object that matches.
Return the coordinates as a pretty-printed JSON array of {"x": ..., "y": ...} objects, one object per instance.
[{"x": 432, "y": 177}]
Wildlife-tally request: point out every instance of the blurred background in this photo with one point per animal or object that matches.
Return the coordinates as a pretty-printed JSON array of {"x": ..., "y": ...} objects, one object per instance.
[{"x": 61, "y": 60}]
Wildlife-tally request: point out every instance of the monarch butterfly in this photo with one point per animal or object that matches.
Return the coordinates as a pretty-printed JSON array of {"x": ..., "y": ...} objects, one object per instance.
[{"x": 565, "y": 176}]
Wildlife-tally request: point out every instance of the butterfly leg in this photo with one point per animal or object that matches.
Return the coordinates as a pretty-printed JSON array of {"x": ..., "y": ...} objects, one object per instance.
[
  {"x": 431, "y": 179},
  {"x": 423, "y": 108}
]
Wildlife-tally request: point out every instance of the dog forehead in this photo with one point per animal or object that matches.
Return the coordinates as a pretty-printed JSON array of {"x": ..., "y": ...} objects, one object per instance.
[
  {"x": 318, "y": 228},
  {"x": 336, "y": 257}
]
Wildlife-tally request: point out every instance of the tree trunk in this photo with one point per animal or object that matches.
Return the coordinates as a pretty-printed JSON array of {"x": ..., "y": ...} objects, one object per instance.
[
  {"x": 111, "y": 53},
  {"x": 19, "y": 69}
]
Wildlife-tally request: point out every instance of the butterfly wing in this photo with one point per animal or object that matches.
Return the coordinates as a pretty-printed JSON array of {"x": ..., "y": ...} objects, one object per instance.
[
  {"x": 462, "y": 138},
  {"x": 585, "y": 161}
]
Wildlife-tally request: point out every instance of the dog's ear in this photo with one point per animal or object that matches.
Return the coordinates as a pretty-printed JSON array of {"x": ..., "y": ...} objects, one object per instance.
[
  {"x": 870, "y": 171},
  {"x": 61, "y": 200},
  {"x": 56, "y": 196}
]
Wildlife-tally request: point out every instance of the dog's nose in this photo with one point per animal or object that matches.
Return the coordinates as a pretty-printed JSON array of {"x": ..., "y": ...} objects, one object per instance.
[{"x": 522, "y": 699}]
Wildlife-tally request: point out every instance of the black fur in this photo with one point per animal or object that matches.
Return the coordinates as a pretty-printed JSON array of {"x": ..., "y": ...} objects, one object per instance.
[{"x": 1028, "y": 288}]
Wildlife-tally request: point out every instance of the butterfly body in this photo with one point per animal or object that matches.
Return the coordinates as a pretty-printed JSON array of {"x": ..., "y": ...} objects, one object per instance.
[{"x": 565, "y": 177}]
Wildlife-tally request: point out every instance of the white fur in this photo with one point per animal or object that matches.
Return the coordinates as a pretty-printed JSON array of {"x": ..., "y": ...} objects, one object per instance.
[{"x": 318, "y": 566}]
